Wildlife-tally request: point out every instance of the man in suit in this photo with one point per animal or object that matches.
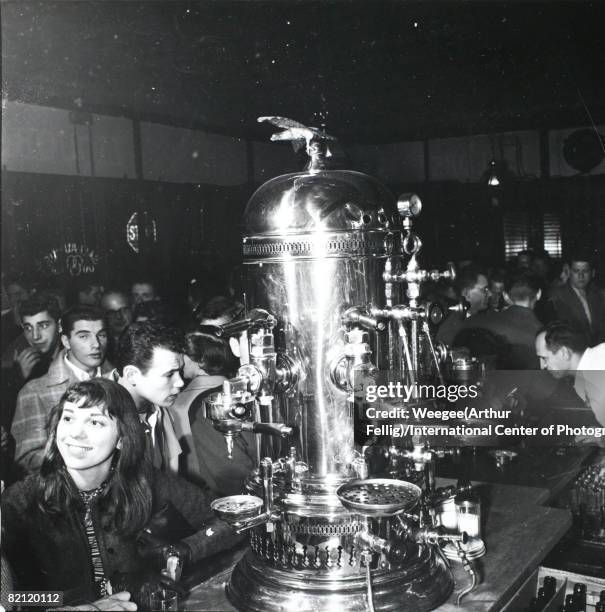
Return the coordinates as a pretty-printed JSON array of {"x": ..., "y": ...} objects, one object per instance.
[
  {"x": 579, "y": 302},
  {"x": 117, "y": 309},
  {"x": 472, "y": 285},
  {"x": 517, "y": 325},
  {"x": 84, "y": 339}
]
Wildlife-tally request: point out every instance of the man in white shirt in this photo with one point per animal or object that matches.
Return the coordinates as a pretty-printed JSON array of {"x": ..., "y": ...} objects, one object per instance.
[
  {"x": 84, "y": 339},
  {"x": 149, "y": 364},
  {"x": 563, "y": 351}
]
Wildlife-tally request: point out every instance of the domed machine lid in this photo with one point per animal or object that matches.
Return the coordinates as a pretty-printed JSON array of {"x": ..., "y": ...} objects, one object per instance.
[{"x": 321, "y": 211}]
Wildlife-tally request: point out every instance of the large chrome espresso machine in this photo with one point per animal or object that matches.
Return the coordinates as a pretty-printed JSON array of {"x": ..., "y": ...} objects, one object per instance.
[{"x": 333, "y": 297}]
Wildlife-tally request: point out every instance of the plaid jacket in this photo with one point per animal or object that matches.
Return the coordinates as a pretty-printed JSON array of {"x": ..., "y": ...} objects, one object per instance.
[{"x": 34, "y": 404}]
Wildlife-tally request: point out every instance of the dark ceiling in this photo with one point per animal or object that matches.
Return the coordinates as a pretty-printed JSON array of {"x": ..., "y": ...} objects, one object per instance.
[{"x": 373, "y": 71}]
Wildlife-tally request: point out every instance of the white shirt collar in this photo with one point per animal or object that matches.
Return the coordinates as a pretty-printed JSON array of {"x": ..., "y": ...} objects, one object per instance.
[{"x": 79, "y": 373}]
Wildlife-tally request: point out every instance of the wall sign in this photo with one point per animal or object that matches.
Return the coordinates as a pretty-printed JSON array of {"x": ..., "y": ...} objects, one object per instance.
[
  {"x": 70, "y": 259},
  {"x": 148, "y": 229}
]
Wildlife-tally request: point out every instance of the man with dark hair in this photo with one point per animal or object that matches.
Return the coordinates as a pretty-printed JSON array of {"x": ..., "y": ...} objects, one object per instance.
[
  {"x": 32, "y": 352},
  {"x": 579, "y": 302},
  {"x": 563, "y": 351},
  {"x": 471, "y": 285},
  {"x": 143, "y": 290},
  {"x": 29, "y": 356},
  {"x": 524, "y": 259},
  {"x": 517, "y": 325},
  {"x": 497, "y": 289},
  {"x": 87, "y": 290},
  {"x": 149, "y": 364},
  {"x": 84, "y": 340}
]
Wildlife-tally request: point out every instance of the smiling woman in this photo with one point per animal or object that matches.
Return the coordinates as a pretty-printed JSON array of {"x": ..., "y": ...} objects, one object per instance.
[
  {"x": 83, "y": 524},
  {"x": 87, "y": 438}
]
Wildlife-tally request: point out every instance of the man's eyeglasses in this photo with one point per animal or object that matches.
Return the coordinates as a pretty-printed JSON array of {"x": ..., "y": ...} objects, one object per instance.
[{"x": 119, "y": 312}]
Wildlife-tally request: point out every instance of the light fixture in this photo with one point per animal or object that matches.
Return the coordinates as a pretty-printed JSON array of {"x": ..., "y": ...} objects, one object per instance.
[
  {"x": 492, "y": 175},
  {"x": 497, "y": 173}
]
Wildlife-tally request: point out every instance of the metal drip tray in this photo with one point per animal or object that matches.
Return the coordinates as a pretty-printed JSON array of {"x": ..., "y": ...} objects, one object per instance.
[
  {"x": 237, "y": 507},
  {"x": 379, "y": 496}
]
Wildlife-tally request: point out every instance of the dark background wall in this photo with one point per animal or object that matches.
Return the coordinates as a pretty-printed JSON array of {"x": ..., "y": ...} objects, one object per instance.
[{"x": 197, "y": 226}]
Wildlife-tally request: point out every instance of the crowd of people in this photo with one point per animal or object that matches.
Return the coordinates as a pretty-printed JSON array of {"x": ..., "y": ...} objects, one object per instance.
[
  {"x": 536, "y": 315},
  {"x": 99, "y": 445},
  {"x": 103, "y": 430}
]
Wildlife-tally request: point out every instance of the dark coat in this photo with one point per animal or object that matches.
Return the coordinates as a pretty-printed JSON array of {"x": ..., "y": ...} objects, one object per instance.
[
  {"x": 52, "y": 553},
  {"x": 566, "y": 306},
  {"x": 517, "y": 326},
  {"x": 205, "y": 457}
]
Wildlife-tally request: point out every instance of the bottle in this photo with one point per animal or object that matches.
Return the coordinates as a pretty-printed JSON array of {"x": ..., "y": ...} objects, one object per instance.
[
  {"x": 550, "y": 586},
  {"x": 579, "y": 593},
  {"x": 542, "y": 598}
]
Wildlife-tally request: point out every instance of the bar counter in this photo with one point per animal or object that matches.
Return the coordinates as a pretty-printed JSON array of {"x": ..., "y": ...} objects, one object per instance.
[{"x": 518, "y": 530}]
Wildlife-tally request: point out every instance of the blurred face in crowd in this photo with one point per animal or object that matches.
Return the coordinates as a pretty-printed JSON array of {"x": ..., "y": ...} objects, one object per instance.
[
  {"x": 16, "y": 294},
  {"x": 540, "y": 267},
  {"x": 86, "y": 344},
  {"x": 142, "y": 292},
  {"x": 162, "y": 381},
  {"x": 556, "y": 362},
  {"x": 117, "y": 308},
  {"x": 41, "y": 331},
  {"x": 478, "y": 295},
  {"x": 91, "y": 296},
  {"x": 496, "y": 293},
  {"x": 87, "y": 439},
  {"x": 523, "y": 260},
  {"x": 580, "y": 274}
]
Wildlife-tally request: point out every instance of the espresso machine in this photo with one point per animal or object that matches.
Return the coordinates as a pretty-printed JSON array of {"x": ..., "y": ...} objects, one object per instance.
[{"x": 328, "y": 254}]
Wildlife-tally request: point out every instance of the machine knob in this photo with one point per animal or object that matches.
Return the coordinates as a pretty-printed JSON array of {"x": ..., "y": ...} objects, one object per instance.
[
  {"x": 397, "y": 552},
  {"x": 435, "y": 313}
]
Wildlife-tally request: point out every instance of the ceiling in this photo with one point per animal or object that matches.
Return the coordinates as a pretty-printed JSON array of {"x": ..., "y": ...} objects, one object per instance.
[{"x": 372, "y": 71}]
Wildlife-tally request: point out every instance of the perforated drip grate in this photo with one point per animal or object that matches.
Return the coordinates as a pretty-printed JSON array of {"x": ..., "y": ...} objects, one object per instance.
[{"x": 379, "y": 496}]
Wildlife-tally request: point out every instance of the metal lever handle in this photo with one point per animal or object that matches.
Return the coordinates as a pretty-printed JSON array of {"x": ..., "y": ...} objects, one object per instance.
[{"x": 274, "y": 429}]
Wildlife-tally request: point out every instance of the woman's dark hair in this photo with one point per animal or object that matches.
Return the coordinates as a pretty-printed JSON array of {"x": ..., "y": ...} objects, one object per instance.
[
  {"x": 128, "y": 493},
  {"x": 212, "y": 354}
]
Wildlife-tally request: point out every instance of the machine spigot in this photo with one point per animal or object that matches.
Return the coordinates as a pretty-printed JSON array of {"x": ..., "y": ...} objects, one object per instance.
[
  {"x": 435, "y": 535},
  {"x": 372, "y": 543},
  {"x": 460, "y": 307},
  {"x": 356, "y": 316},
  {"x": 275, "y": 429}
]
